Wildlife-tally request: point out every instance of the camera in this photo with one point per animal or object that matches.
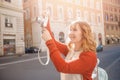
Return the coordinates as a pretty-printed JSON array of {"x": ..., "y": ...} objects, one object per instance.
[{"x": 42, "y": 21}]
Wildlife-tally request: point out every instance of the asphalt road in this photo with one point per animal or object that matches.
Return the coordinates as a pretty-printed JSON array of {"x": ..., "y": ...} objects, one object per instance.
[
  {"x": 27, "y": 67},
  {"x": 110, "y": 61}
]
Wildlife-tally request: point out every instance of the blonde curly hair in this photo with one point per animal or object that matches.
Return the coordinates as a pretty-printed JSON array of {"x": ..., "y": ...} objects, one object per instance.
[{"x": 88, "y": 42}]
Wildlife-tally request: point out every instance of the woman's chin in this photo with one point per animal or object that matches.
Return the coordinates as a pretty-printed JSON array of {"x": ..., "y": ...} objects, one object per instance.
[{"x": 72, "y": 41}]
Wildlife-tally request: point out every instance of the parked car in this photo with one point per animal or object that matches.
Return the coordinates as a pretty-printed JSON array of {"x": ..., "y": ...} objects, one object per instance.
[
  {"x": 31, "y": 50},
  {"x": 99, "y": 48}
]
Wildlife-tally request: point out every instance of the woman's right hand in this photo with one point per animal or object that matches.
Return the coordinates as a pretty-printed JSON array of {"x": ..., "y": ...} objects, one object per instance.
[{"x": 46, "y": 35}]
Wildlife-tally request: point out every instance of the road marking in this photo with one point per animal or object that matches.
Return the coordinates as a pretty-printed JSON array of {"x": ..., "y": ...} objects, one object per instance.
[
  {"x": 15, "y": 62},
  {"x": 110, "y": 66}
]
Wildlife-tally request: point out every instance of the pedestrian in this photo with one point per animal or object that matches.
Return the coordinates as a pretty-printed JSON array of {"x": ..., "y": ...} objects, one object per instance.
[{"x": 80, "y": 53}]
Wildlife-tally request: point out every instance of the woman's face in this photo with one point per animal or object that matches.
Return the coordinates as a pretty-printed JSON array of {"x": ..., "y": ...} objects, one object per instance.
[{"x": 75, "y": 34}]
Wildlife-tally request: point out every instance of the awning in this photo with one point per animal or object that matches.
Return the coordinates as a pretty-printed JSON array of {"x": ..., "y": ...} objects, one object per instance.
[
  {"x": 117, "y": 37},
  {"x": 108, "y": 38},
  {"x": 114, "y": 38}
]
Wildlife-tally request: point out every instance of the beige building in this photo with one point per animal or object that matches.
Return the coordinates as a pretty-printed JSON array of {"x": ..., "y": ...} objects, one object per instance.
[
  {"x": 111, "y": 11},
  {"x": 62, "y": 13},
  {"x": 11, "y": 27}
]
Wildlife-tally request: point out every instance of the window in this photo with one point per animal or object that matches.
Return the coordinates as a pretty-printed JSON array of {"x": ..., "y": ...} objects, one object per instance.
[
  {"x": 60, "y": 13},
  {"x": 98, "y": 5},
  {"x": 78, "y": 14},
  {"x": 111, "y": 17},
  {"x": 106, "y": 17},
  {"x": 106, "y": 6},
  {"x": 34, "y": 11},
  {"x": 107, "y": 27},
  {"x": 111, "y": 9},
  {"x": 8, "y": 22},
  {"x": 70, "y": 13},
  {"x": 49, "y": 9},
  {"x": 116, "y": 18},
  {"x": 112, "y": 27},
  {"x": 115, "y": 9},
  {"x": 8, "y": 0},
  {"x": 84, "y": 3},
  {"x": 98, "y": 19},
  {"x": 27, "y": 14},
  {"x": 91, "y": 3},
  {"x": 86, "y": 16},
  {"x": 92, "y": 18}
]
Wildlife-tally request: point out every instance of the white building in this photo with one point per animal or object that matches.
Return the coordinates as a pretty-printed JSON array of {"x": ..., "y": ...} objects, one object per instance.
[{"x": 11, "y": 27}]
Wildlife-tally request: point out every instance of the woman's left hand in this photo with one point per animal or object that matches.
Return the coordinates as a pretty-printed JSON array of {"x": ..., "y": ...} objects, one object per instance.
[{"x": 46, "y": 35}]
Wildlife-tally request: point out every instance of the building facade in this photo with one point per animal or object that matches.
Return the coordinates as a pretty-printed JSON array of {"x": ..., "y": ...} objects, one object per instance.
[
  {"x": 11, "y": 27},
  {"x": 62, "y": 13},
  {"x": 111, "y": 11}
]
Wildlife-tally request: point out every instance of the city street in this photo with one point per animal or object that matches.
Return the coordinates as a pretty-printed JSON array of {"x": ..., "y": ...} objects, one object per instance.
[
  {"x": 27, "y": 67},
  {"x": 25, "y": 26}
]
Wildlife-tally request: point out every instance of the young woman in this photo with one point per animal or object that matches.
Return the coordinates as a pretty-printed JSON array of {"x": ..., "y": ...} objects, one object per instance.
[{"x": 80, "y": 54}]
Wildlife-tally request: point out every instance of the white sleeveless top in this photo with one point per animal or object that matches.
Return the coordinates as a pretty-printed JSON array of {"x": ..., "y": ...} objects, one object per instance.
[{"x": 70, "y": 57}]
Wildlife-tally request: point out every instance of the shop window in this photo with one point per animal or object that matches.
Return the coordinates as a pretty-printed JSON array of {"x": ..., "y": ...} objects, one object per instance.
[{"x": 9, "y": 46}]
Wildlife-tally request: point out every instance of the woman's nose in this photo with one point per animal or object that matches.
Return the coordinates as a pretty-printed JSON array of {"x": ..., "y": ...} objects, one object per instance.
[{"x": 71, "y": 32}]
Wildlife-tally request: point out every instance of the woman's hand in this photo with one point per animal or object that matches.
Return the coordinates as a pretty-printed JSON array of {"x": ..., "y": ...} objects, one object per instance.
[{"x": 46, "y": 35}]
